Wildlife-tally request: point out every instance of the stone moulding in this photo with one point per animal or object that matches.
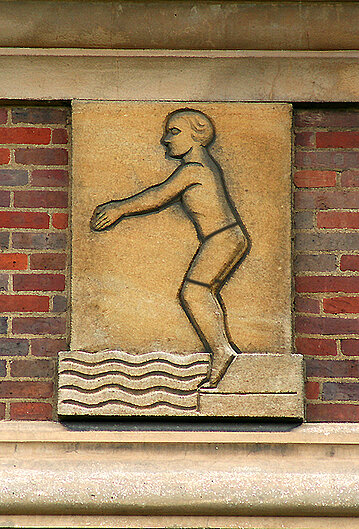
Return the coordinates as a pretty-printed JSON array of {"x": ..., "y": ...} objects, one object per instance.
[{"x": 139, "y": 479}]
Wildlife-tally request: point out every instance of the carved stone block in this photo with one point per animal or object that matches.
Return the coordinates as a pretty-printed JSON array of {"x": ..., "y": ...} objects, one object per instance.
[{"x": 181, "y": 243}]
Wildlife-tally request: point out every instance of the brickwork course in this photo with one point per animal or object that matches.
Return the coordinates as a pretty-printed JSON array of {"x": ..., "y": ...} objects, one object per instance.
[
  {"x": 326, "y": 259},
  {"x": 34, "y": 243}
]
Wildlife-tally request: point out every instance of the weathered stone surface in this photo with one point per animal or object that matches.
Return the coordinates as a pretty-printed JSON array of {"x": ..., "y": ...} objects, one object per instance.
[{"x": 126, "y": 280}]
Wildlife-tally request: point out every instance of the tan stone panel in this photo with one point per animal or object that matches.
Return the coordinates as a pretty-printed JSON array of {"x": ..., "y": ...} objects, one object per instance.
[
  {"x": 126, "y": 280},
  {"x": 175, "y": 24}
]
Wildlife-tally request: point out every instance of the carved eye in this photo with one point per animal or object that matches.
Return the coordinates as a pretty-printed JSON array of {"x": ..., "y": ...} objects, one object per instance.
[{"x": 175, "y": 131}]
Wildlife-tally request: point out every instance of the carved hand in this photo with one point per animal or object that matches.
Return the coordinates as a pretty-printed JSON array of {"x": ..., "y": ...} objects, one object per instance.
[{"x": 104, "y": 216}]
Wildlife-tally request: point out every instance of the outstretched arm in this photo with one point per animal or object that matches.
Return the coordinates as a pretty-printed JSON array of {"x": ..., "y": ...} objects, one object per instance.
[{"x": 151, "y": 199}]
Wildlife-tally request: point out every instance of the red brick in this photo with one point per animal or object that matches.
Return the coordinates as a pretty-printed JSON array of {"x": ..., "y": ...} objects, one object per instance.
[
  {"x": 327, "y": 159},
  {"x": 304, "y": 139},
  {"x": 38, "y": 241},
  {"x": 326, "y": 325},
  {"x": 303, "y": 304},
  {"x": 59, "y": 136},
  {"x": 30, "y": 411},
  {"x": 332, "y": 368},
  {"x": 49, "y": 177},
  {"x": 343, "y": 140},
  {"x": 338, "y": 219},
  {"x": 350, "y": 178},
  {"x": 327, "y": 284},
  {"x": 13, "y": 261},
  {"x": 39, "y": 282},
  {"x": 41, "y": 156},
  {"x": 349, "y": 262},
  {"x": 350, "y": 346},
  {"x": 39, "y": 115},
  {"x": 29, "y": 390},
  {"x": 60, "y": 220},
  {"x": 11, "y": 303},
  {"x": 2, "y": 410},
  {"x": 340, "y": 118},
  {"x": 47, "y": 347},
  {"x": 24, "y": 219},
  {"x": 48, "y": 261},
  {"x": 312, "y": 390},
  {"x": 315, "y": 178},
  {"x": 316, "y": 346},
  {"x": 326, "y": 199},
  {"x": 342, "y": 305},
  {"x": 32, "y": 368},
  {"x": 4, "y": 156},
  {"x": 333, "y": 412},
  {"x": 39, "y": 325},
  {"x": 25, "y": 135},
  {"x": 4, "y": 199},
  {"x": 41, "y": 199},
  {"x": 3, "y": 116}
]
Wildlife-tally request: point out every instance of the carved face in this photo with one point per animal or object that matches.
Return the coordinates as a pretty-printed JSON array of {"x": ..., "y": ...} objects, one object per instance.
[{"x": 178, "y": 137}]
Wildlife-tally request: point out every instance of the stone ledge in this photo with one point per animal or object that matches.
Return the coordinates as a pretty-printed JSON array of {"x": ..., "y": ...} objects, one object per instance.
[{"x": 48, "y": 471}]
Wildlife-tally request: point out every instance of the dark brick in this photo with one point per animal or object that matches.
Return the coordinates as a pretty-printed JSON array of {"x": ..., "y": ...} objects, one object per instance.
[
  {"x": 303, "y": 220},
  {"x": 39, "y": 325},
  {"x": 325, "y": 325},
  {"x": 32, "y": 368},
  {"x": 350, "y": 178},
  {"x": 3, "y": 116},
  {"x": 47, "y": 347},
  {"x": 39, "y": 241},
  {"x": 41, "y": 156},
  {"x": 326, "y": 199},
  {"x": 14, "y": 347},
  {"x": 48, "y": 261},
  {"x": 2, "y": 368},
  {"x": 4, "y": 240},
  {"x": 2, "y": 410},
  {"x": 59, "y": 136},
  {"x": 4, "y": 198},
  {"x": 303, "y": 304},
  {"x": 4, "y": 282},
  {"x": 41, "y": 199},
  {"x": 59, "y": 304},
  {"x": 315, "y": 346},
  {"x": 336, "y": 160},
  {"x": 30, "y": 411},
  {"x": 49, "y": 177},
  {"x": 13, "y": 177},
  {"x": 326, "y": 118},
  {"x": 39, "y": 115},
  {"x": 15, "y": 389},
  {"x": 333, "y": 412},
  {"x": 44, "y": 282},
  {"x": 314, "y": 263},
  {"x": 332, "y": 368},
  {"x": 350, "y": 346},
  {"x": 304, "y": 139},
  {"x": 340, "y": 391},
  {"x": 331, "y": 241},
  {"x": 327, "y": 284},
  {"x": 3, "y": 325}
]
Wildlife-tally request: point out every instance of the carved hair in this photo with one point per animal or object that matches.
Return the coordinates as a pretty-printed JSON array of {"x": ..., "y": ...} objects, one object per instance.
[{"x": 202, "y": 127}]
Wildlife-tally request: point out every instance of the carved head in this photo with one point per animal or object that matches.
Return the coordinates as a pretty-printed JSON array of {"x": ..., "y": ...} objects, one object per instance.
[{"x": 186, "y": 128}]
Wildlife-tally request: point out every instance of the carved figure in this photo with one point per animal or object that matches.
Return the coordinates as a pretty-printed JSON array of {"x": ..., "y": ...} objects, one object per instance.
[{"x": 199, "y": 186}]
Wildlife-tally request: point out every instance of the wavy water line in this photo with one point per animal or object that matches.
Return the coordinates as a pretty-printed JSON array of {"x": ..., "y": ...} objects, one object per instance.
[
  {"x": 117, "y": 361},
  {"x": 83, "y": 376},
  {"x": 197, "y": 369},
  {"x": 134, "y": 358},
  {"x": 146, "y": 399},
  {"x": 122, "y": 404},
  {"x": 129, "y": 384}
]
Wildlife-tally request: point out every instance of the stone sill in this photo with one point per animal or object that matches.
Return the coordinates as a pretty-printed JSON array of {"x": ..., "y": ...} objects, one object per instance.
[{"x": 53, "y": 477}]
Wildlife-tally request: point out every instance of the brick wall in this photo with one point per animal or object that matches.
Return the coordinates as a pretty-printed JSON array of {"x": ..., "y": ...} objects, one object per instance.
[
  {"x": 326, "y": 202},
  {"x": 34, "y": 153}
]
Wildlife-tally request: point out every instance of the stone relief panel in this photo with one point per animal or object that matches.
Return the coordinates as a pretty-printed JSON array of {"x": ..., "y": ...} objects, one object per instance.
[{"x": 181, "y": 274}]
